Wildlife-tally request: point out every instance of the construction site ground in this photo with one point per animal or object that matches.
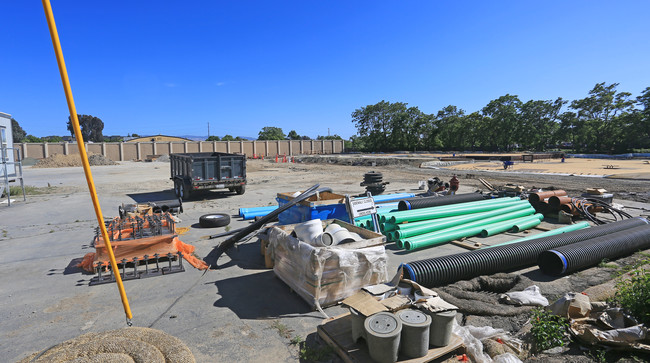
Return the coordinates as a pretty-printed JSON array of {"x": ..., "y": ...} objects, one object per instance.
[{"x": 241, "y": 311}]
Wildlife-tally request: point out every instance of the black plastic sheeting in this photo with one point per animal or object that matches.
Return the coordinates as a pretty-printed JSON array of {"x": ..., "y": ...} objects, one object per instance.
[
  {"x": 426, "y": 202},
  {"x": 466, "y": 265},
  {"x": 576, "y": 256}
]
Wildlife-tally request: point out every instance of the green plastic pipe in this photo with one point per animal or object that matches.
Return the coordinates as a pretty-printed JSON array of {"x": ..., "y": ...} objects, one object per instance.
[
  {"x": 524, "y": 225},
  {"x": 508, "y": 225},
  {"x": 553, "y": 232},
  {"x": 483, "y": 222},
  {"x": 458, "y": 210},
  {"x": 418, "y": 228},
  {"x": 414, "y": 212},
  {"x": 464, "y": 230},
  {"x": 400, "y": 215},
  {"x": 389, "y": 227}
]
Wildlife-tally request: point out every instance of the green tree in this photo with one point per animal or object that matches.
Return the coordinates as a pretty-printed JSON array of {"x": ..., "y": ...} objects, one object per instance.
[
  {"x": 91, "y": 128},
  {"x": 540, "y": 124},
  {"x": 228, "y": 138},
  {"x": 389, "y": 126},
  {"x": 599, "y": 118},
  {"x": 503, "y": 122},
  {"x": 293, "y": 135},
  {"x": 32, "y": 138},
  {"x": 17, "y": 131},
  {"x": 271, "y": 133},
  {"x": 212, "y": 138},
  {"x": 52, "y": 139},
  {"x": 329, "y": 137},
  {"x": 638, "y": 123},
  {"x": 135, "y": 135}
]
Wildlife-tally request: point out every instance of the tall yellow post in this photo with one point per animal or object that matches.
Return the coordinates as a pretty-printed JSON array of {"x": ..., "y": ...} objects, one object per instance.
[{"x": 82, "y": 152}]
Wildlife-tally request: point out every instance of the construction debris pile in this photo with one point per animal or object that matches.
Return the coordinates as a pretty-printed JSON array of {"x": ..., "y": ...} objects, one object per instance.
[{"x": 139, "y": 237}]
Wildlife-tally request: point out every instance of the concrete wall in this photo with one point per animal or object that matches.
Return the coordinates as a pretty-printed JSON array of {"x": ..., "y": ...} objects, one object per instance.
[{"x": 139, "y": 150}]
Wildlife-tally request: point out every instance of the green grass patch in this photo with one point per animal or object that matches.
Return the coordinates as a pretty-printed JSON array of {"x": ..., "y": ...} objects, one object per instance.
[{"x": 16, "y": 190}]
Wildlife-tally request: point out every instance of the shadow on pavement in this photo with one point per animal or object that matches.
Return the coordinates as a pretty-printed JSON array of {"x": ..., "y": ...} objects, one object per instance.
[{"x": 259, "y": 296}]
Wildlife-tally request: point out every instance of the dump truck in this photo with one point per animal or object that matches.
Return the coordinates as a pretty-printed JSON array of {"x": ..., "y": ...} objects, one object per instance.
[{"x": 192, "y": 172}]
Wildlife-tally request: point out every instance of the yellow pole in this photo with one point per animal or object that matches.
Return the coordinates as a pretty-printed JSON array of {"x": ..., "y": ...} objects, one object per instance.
[{"x": 82, "y": 151}]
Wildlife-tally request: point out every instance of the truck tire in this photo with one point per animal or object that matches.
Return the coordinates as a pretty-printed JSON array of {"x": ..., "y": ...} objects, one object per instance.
[
  {"x": 214, "y": 220},
  {"x": 240, "y": 190}
]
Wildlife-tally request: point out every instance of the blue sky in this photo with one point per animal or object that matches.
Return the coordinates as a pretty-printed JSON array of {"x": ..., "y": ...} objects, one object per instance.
[{"x": 170, "y": 67}]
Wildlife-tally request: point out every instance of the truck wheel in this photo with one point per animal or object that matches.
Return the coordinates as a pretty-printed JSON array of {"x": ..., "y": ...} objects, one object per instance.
[
  {"x": 214, "y": 220},
  {"x": 240, "y": 190}
]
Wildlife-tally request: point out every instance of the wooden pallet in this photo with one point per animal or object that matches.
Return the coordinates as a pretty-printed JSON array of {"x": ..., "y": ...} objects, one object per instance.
[{"x": 337, "y": 332}]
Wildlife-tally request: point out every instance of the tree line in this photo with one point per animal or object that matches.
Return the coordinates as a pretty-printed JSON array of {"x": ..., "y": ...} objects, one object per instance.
[{"x": 606, "y": 121}]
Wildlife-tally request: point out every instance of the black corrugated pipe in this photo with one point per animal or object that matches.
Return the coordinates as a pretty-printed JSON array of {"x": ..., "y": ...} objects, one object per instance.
[
  {"x": 462, "y": 266},
  {"x": 425, "y": 202},
  {"x": 573, "y": 257}
]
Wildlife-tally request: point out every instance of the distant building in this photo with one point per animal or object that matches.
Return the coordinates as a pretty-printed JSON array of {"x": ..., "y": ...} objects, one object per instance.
[{"x": 158, "y": 138}]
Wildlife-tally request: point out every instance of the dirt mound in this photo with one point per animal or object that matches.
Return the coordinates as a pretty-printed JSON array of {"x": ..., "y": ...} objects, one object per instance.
[
  {"x": 122, "y": 345},
  {"x": 62, "y": 161}
]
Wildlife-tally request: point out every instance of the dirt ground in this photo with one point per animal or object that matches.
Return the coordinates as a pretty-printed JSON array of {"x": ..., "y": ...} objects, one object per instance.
[{"x": 219, "y": 315}]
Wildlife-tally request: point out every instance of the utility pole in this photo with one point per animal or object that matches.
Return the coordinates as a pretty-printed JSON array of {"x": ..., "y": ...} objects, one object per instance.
[
  {"x": 208, "y": 128},
  {"x": 328, "y": 131}
]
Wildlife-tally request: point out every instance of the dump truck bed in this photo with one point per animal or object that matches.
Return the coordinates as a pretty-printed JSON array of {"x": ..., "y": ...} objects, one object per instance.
[{"x": 209, "y": 170}]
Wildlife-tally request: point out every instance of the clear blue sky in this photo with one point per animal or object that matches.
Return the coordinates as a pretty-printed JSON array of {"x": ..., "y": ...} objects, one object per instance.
[{"x": 170, "y": 67}]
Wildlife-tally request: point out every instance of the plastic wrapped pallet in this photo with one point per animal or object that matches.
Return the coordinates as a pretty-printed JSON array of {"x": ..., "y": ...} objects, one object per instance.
[{"x": 325, "y": 275}]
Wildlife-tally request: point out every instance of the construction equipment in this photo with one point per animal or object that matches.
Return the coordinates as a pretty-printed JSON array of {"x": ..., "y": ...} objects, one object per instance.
[{"x": 143, "y": 239}]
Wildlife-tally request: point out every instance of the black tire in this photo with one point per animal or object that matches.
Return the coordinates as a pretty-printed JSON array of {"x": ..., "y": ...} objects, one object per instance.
[
  {"x": 240, "y": 190},
  {"x": 214, "y": 220}
]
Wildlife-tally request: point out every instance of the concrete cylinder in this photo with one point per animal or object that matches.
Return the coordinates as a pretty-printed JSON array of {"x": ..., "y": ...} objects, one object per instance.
[
  {"x": 358, "y": 331},
  {"x": 383, "y": 332},
  {"x": 441, "y": 324},
  {"x": 414, "y": 341}
]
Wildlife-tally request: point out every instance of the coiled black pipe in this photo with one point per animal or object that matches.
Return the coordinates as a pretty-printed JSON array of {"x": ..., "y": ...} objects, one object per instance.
[
  {"x": 425, "y": 202},
  {"x": 466, "y": 265},
  {"x": 573, "y": 257}
]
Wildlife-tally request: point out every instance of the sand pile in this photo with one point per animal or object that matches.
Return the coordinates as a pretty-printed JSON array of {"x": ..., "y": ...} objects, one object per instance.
[
  {"x": 122, "y": 345},
  {"x": 62, "y": 161}
]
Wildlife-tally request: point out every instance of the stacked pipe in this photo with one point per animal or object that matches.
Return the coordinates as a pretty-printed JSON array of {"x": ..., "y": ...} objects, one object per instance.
[
  {"x": 447, "y": 269},
  {"x": 425, "y": 202},
  {"x": 541, "y": 200},
  {"x": 427, "y": 227}
]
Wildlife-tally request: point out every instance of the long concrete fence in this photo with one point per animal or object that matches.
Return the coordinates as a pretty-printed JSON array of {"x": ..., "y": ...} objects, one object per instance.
[{"x": 123, "y": 151}]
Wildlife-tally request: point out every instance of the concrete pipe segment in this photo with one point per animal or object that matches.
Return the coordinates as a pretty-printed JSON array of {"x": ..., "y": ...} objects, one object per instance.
[
  {"x": 383, "y": 331},
  {"x": 441, "y": 326},
  {"x": 414, "y": 342}
]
